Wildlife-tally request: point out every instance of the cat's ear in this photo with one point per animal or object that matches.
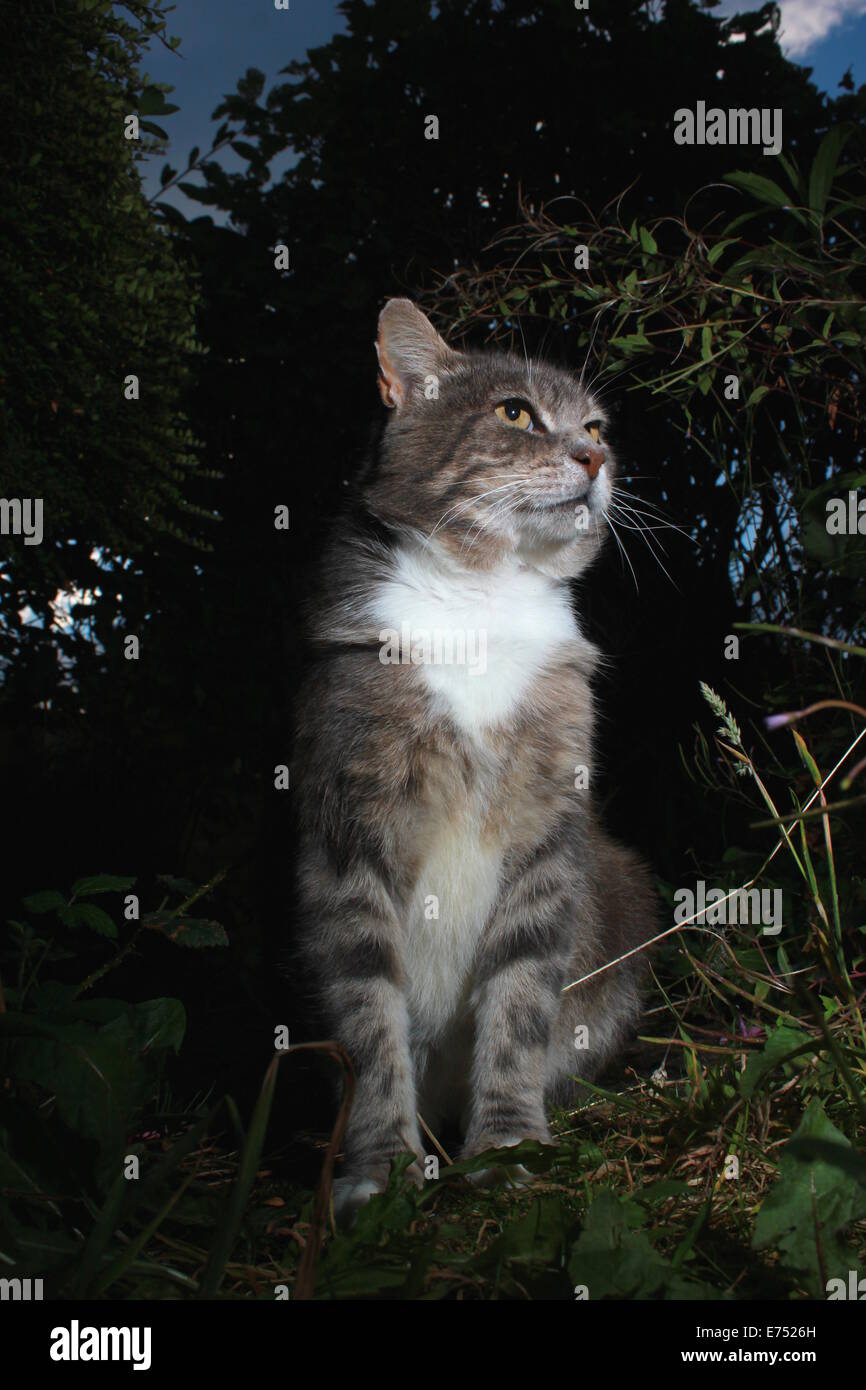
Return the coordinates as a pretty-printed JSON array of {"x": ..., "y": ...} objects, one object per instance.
[{"x": 410, "y": 352}]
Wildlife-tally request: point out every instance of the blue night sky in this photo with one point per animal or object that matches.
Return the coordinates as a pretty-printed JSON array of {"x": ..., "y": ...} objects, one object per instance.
[{"x": 220, "y": 39}]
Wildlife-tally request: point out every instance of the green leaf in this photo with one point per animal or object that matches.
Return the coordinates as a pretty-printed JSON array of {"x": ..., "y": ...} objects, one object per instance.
[
  {"x": 536, "y": 1238},
  {"x": 101, "y": 883},
  {"x": 196, "y": 932},
  {"x": 46, "y": 901},
  {"x": 615, "y": 1260},
  {"x": 529, "y": 1153},
  {"x": 247, "y": 151},
  {"x": 158, "y": 1024},
  {"x": 631, "y": 342},
  {"x": 235, "y": 1204},
  {"x": 715, "y": 251},
  {"x": 94, "y": 1078},
  {"x": 765, "y": 190},
  {"x": 806, "y": 758},
  {"x": 152, "y": 102},
  {"x": 252, "y": 84},
  {"x": 838, "y": 1155},
  {"x": 96, "y": 1057},
  {"x": 776, "y": 1050},
  {"x": 648, "y": 241},
  {"x": 815, "y": 1200},
  {"x": 199, "y": 193},
  {"x": 706, "y": 342},
  {"x": 793, "y": 173},
  {"x": 90, "y": 916},
  {"x": 184, "y": 886},
  {"x": 154, "y": 1182},
  {"x": 757, "y": 395},
  {"x": 824, "y": 167}
]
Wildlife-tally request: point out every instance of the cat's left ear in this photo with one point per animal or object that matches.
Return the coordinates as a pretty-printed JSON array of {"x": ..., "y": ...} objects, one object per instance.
[{"x": 411, "y": 353}]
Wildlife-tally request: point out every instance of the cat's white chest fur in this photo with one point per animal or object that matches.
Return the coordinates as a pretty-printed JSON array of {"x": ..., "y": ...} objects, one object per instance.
[
  {"x": 454, "y": 894},
  {"x": 478, "y": 640}
]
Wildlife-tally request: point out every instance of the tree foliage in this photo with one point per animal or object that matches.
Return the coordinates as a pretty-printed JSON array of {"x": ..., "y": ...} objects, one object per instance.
[{"x": 93, "y": 292}]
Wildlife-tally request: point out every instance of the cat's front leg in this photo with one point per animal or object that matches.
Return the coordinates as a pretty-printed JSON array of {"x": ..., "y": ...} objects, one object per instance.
[
  {"x": 372, "y": 1023},
  {"x": 519, "y": 974},
  {"x": 355, "y": 951}
]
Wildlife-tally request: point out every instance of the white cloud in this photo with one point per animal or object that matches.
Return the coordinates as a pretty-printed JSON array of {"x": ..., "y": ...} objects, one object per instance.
[{"x": 805, "y": 22}]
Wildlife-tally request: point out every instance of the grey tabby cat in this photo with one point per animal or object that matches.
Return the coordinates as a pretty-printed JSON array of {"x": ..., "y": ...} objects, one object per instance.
[{"x": 454, "y": 876}]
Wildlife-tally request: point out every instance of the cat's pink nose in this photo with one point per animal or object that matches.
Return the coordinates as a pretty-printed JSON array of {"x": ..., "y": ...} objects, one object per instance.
[{"x": 591, "y": 458}]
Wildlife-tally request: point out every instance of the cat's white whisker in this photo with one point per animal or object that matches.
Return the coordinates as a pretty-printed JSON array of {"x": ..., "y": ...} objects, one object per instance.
[
  {"x": 454, "y": 511},
  {"x": 497, "y": 510},
  {"x": 612, "y": 529},
  {"x": 635, "y": 521},
  {"x": 649, "y": 540},
  {"x": 653, "y": 511}
]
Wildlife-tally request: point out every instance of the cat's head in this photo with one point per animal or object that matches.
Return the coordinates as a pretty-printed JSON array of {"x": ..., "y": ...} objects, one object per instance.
[{"x": 487, "y": 454}]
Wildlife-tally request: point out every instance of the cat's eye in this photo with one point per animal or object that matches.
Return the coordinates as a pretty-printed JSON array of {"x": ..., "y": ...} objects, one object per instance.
[
  {"x": 517, "y": 413},
  {"x": 594, "y": 428}
]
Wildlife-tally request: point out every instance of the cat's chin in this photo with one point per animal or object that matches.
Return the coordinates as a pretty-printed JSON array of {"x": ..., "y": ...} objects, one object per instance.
[{"x": 551, "y": 544}]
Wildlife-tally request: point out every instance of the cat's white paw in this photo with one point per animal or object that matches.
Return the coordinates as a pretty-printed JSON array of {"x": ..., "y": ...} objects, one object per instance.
[
  {"x": 514, "y": 1173},
  {"x": 350, "y": 1194}
]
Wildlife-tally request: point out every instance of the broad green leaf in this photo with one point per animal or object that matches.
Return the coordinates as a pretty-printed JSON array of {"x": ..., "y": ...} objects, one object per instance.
[
  {"x": 46, "y": 901},
  {"x": 90, "y": 916},
  {"x": 837, "y": 1155},
  {"x": 95, "y": 1080},
  {"x": 779, "y": 1045},
  {"x": 195, "y": 932},
  {"x": 99, "y": 1062},
  {"x": 158, "y": 1024},
  {"x": 101, "y": 883},
  {"x": 529, "y": 1153},
  {"x": 815, "y": 1200},
  {"x": 766, "y": 191},
  {"x": 537, "y": 1237},
  {"x": 615, "y": 1260},
  {"x": 152, "y": 102},
  {"x": 184, "y": 886}
]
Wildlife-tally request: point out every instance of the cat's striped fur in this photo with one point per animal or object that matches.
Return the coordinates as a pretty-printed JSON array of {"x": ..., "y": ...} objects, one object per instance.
[{"x": 454, "y": 876}]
